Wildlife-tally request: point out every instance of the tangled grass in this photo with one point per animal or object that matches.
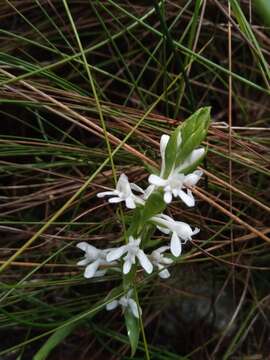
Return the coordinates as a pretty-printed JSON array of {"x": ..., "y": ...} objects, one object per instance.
[{"x": 87, "y": 88}]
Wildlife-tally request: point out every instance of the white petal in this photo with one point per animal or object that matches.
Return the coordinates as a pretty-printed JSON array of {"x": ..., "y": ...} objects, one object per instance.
[
  {"x": 112, "y": 305},
  {"x": 192, "y": 158},
  {"x": 82, "y": 262},
  {"x": 183, "y": 230},
  {"x": 115, "y": 200},
  {"x": 82, "y": 245},
  {"x": 135, "y": 241},
  {"x": 163, "y": 144},
  {"x": 164, "y": 230},
  {"x": 148, "y": 191},
  {"x": 196, "y": 155},
  {"x": 135, "y": 187},
  {"x": 176, "y": 247},
  {"x": 193, "y": 178},
  {"x": 100, "y": 273},
  {"x": 123, "y": 177},
  {"x": 188, "y": 198},
  {"x": 116, "y": 253},
  {"x": 156, "y": 180},
  {"x": 162, "y": 249},
  {"x": 164, "y": 274},
  {"x": 134, "y": 308},
  {"x": 145, "y": 262},
  {"x": 130, "y": 203},
  {"x": 92, "y": 251},
  {"x": 91, "y": 269},
  {"x": 167, "y": 197},
  {"x": 175, "y": 192},
  {"x": 166, "y": 260},
  {"x": 105, "y": 193},
  {"x": 195, "y": 231},
  {"x": 127, "y": 266},
  {"x": 123, "y": 183},
  {"x": 198, "y": 173},
  {"x": 189, "y": 193},
  {"x": 131, "y": 239},
  {"x": 166, "y": 217}
]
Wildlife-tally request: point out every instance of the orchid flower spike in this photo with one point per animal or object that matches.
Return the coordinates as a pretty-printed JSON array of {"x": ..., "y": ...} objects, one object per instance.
[
  {"x": 93, "y": 259},
  {"x": 159, "y": 260},
  {"x": 123, "y": 192},
  {"x": 127, "y": 303},
  {"x": 180, "y": 231},
  {"x": 132, "y": 251}
]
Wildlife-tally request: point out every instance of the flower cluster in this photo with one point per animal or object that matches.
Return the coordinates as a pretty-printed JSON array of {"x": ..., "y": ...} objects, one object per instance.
[
  {"x": 180, "y": 154},
  {"x": 175, "y": 184}
]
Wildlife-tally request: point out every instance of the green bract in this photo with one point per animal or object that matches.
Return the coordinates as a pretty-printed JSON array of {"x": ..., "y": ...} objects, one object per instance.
[{"x": 186, "y": 138}]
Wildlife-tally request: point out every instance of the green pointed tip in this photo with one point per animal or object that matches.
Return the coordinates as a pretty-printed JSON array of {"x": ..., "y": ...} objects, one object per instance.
[
  {"x": 193, "y": 131},
  {"x": 203, "y": 115}
]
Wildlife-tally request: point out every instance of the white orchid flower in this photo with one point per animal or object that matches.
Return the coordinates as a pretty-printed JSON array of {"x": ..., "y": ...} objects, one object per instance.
[
  {"x": 127, "y": 303},
  {"x": 93, "y": 259},
  {"x": 159, "y": 260},
  {"x": 177, "y": 181},
  {"x": 174, "y": 185},
  {"x": 123, "y": 192},
  {"x": 180, "y": 231},
  {"x": 132, "y": 251}
]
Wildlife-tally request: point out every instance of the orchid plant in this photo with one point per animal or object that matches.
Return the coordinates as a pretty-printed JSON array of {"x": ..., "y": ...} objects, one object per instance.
[{"x": 180, "y": 154}]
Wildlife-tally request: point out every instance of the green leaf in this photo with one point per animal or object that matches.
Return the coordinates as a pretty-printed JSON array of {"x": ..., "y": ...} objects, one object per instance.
[
  {"x": 64, "y": 330},
  {"x": 54, "y": 340},
  {"x": 133, "y": 330}
]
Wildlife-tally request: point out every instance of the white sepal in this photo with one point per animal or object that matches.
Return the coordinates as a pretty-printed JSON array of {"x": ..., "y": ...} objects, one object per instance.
[
  {"x": 176, "y": 247},
  {"x": 127, "y": 303},
  {"x": 93, "y": 259},
  {"x": 112, "y": 305}
]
